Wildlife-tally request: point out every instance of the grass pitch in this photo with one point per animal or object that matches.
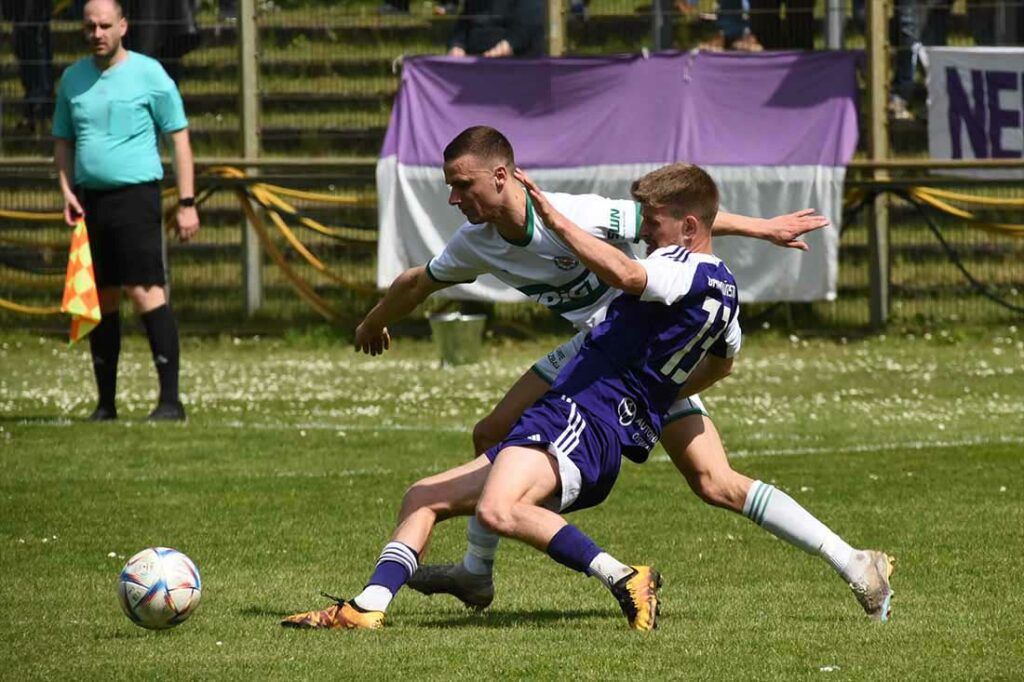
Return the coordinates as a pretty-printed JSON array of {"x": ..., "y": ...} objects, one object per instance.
[{"x": 286, "y": 479}]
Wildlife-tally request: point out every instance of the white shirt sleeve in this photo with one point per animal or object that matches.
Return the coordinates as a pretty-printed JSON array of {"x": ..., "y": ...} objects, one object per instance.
[
  {"x": 608, "y": 219},
  {"x": 459, "y": 263},
  {"x": 667, "y": 280}
]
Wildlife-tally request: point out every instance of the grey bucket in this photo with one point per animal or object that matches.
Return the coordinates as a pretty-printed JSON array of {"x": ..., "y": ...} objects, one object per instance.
[{"x": 458, "y": 337}]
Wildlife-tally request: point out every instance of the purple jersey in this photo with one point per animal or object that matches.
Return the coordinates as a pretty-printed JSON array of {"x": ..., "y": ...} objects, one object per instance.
[{"x": 629, "y": 370}]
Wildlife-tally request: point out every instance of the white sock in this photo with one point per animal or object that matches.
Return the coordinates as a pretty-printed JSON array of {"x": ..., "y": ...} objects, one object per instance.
[
  {"x": 374, "y": 598},
  {"x": 481, "y": 547},
  {"x": 841, "y": 556},
  {"x": 783, "y": 517},
  {"x": 608, "y": 569}
]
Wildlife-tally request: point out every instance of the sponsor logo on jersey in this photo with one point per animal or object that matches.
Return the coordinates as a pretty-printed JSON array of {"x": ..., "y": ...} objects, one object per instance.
[
  {"x": 727, "y": 289},
  {"x": 645, "y": 436},
  {"x": 627, "y": 411},
  {"x": 615, "y": 221},
  {"x": 585, "y": 290},
  {"x": 566, "y": 262}
]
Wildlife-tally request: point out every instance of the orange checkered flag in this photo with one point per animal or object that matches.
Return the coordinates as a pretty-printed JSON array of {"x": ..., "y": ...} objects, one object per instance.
[{"x": 81, "y": 298}]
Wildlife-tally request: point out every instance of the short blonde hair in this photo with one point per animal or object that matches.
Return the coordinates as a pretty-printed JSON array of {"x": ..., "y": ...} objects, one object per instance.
[{"x": 681, "y": 188}]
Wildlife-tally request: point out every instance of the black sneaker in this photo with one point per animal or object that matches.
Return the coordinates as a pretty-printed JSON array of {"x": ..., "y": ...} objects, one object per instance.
[
  {"x": 167, "y": 412},
  {"x": 475, "y": 591},
  {"x": 103, "y": 414}
]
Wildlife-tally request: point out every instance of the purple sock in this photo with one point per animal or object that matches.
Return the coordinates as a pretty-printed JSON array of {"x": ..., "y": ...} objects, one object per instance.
[
  {"x": 571, "y": 547},
  {"x": 397, "y": 562}
]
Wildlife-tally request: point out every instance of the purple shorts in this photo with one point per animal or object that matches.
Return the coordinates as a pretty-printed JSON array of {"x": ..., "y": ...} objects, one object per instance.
[{"x": 588, "y": 454}]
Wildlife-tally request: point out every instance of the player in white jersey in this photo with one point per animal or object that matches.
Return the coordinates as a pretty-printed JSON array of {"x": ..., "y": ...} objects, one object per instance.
[
  {"x": 540, "y": 265},
  {"x": 675, "y": 324},
  {"x": 503, "y": 236}
]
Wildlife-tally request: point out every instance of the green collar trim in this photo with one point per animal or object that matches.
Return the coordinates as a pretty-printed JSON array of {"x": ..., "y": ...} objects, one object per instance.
[{"x": 529, "y": 226}]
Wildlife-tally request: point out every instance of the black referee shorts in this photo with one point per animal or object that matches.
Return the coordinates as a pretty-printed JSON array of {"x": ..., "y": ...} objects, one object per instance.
[{"x": 125, "y": 234}]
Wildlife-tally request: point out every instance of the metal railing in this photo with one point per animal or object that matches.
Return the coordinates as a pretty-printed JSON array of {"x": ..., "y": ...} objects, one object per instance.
[{"x": 301, "y": 98}]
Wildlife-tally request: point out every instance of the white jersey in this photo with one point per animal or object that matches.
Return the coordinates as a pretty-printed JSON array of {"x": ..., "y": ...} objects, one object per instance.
[{"x": 541, "y": 266}]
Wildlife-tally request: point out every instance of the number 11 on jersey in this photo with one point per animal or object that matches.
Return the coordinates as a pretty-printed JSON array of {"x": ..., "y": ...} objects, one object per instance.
[{"x": 679, "y": 366}]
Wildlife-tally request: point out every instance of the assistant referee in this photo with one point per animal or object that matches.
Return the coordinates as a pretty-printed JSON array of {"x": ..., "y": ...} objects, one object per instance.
[{"x": 109, "y": 109}]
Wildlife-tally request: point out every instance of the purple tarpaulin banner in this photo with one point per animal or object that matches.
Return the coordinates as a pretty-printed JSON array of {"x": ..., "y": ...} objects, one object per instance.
[{"x": 775, "y": 130}]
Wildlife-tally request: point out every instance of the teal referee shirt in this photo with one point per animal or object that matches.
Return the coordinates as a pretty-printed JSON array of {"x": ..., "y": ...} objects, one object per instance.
[{"x": 113, "y": 116}]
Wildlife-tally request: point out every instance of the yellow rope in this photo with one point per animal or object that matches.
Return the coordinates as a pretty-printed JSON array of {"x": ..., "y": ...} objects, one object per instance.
[
  {"x": 17, "y": 241},
  {"x": 267, "y": 196},
  {"x": 313, "y": 260},
  {"x": 267, "y": 199},
  {"x": 852, "y": 197},
  {"x": 28, "y": 215},
  {"x": 301, "y": 286},
  {"x": 290, "y": 237},
  {"x": 28, "y": 309},
  {"x": 999, "y": 202},
  {"x": 344, "y": 233},
  {"x": 318, "y": 197},
  {"x": 999, "y": 228}
]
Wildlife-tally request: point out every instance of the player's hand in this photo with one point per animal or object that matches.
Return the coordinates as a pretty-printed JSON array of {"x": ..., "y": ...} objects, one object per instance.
[
  {"x": 188, "y": 222},
  {"x": 456, "y": 52},
  {"x": 372, "y": 341},
  {"x": 502, "y": 49},
  {"x": 72, "y": 210},
  {"x": 786, "y": 230},
  {"x": 548, "y": 213}
]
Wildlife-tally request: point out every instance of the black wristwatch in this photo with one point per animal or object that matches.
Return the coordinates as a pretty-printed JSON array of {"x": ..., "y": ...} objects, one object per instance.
[{"x": 187, "y": 202}]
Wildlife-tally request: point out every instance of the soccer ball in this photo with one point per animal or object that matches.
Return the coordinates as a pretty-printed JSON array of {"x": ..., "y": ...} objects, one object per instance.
[{"x": 159, "y": 588}]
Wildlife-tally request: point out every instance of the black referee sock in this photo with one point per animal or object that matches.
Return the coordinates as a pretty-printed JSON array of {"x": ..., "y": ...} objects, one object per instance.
[
  {"x": 105, "y": 347},
  {"x": 162, "y": 330}
]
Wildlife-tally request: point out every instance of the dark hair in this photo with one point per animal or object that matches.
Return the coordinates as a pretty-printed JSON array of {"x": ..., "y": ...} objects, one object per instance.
[
  {"x": 681, "y": 188},
  {"x": 484, "y": 142}
]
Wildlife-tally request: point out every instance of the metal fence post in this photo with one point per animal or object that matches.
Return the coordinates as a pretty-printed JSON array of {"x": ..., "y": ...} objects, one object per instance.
[
  {"x": 556, "y": 28},
  {"x": 661, "y": 25},
  {"x": 248, "y": 107},
  {"x": 835, "y": 22},
  {"x": 878, "y": 149}
]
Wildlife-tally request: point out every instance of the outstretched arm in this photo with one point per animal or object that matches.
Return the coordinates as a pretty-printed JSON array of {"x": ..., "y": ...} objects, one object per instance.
[
  {"x": 407, "y": 291},
  {"x": 611, "y": 266},
  {"x": 784, "y": 230}
]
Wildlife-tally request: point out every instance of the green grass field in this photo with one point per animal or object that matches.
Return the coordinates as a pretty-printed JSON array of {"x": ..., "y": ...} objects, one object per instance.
[{"x": 286, "y": 479}]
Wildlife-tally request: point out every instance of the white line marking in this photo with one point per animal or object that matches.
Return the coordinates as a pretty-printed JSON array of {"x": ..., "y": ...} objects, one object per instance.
[
  {"x": 880, "y": 447},
  {"x": 385, "y": 428}
]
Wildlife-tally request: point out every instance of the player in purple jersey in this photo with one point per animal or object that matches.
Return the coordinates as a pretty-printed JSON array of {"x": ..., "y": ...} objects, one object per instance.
[
  {"x": 564, "y": 453},
  {"x": 478, "y": 163}
]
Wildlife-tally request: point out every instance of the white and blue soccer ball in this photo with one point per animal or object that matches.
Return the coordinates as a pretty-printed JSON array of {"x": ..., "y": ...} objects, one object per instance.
[{"x": 159, "y": 588}]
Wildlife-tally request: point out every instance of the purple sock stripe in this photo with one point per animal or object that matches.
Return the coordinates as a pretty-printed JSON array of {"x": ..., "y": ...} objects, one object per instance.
[
  {"x": 391, "y": 575},
  {"x": 571, "y": 547},
  {"x": 396, "y": 563}
]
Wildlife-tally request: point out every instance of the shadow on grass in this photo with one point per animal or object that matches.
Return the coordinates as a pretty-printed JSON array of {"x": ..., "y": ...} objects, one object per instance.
[
  {"x": 264, "y": 612},
  {"x": 40, "y": 419},
  {"x": 470, "y": 619},
  {"x": 509, "y": 618}
]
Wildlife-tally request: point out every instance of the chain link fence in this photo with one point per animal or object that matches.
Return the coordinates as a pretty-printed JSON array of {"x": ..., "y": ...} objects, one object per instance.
[{"x": 328, "y": 72}]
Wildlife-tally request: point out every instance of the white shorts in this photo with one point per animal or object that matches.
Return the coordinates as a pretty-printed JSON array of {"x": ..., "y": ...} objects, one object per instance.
[{"x": 548, "y": 367}]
